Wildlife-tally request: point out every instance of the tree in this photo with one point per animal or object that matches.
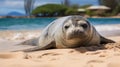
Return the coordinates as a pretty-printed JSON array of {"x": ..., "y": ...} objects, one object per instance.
[
  {"x": 110, "y": 3},
  {"x": 118, "y": 1},
  {"x": 75, "y": 6},
  {"x": 113, "y": 4},
  {"x": 50, "y": 10},
  {"x": 71, "y": 11},
  {"x": 28, "y": 6}
]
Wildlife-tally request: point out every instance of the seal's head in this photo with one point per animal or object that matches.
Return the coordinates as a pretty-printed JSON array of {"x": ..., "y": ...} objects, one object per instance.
[{"x": 76, "y": 27}]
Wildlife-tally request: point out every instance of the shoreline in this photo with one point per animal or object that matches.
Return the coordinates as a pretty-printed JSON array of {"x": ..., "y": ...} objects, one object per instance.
[
  {"x": 29, "y": 34},
  {"x": 104, "y": 30},
  {"x": 57, "y": 17}
]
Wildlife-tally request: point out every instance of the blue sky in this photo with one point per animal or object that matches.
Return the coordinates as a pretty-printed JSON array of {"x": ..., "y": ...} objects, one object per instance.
[{"x": 7, "y": 6}]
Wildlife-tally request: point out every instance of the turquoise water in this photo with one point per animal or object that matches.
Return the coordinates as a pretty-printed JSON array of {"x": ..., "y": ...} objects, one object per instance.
[
  {"x": 40, "y": 23},
  {"x": 103, "y": 21},
  {"x": 24, "y": 23}
]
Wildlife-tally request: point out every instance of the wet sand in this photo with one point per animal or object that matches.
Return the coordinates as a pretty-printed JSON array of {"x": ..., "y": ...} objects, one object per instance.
[{"x": 107, "y": 55}]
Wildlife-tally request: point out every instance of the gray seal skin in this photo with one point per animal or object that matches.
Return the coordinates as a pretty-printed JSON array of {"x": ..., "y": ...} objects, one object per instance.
[{"x": 67, "y": 32}]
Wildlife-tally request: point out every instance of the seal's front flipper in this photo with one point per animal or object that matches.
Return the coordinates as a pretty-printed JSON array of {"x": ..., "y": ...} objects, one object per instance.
[
  {"x": 27, "y": 50},
  {"x": 31, "y": 42},
  {"x": 105, "y": 40},
  {"x": 35, "y": 46}
]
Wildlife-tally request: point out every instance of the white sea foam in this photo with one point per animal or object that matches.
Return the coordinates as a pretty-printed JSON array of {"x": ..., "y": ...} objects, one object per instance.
[
  {"x": 23, "y": 27},
  {"x": 108, "y": 30},
  {"x": 108, "y": 27},
  {"x": 24, "y": 35},
  {"x": 19, "y": 35},
  {"x": 16, "y": 35}
]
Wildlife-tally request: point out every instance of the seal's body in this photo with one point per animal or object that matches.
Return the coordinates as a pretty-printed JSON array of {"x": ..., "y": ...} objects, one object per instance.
[{"x": 67, "y": 32}]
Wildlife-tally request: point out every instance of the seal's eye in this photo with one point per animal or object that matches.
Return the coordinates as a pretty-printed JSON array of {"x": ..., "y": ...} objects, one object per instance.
[
  {"x": 66, "y": 27},
  {"x": 84, "y": 25}
]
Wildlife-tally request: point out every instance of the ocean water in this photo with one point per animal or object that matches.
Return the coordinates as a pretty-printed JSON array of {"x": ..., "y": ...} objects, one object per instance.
[
  {"x": 101, "y": 24},
  {"x": 24, "y": 23}
]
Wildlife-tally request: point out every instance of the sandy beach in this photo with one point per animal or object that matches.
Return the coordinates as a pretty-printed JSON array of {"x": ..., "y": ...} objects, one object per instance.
[
  {"x": 107, "y": 55},
  {"x": 84, "y": 24}
]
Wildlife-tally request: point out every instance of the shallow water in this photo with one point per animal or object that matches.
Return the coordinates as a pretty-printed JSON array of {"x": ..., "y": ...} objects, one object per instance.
[
  {"x": 24, "y": 23},
  {"x": 40, "y": 23}
]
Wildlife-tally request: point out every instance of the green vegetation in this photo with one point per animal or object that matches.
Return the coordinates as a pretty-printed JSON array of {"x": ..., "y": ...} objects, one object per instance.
[
  {"x": 113, "y": 4},
  {"x": 71, "y": 11},
  {"x": 109, "y": 3},
  {"x": 97, "y": 13},
  {"x": 54, "y": 10},
  {"x": 116, "y": 10},
  {"x": 50, "y": 10}
]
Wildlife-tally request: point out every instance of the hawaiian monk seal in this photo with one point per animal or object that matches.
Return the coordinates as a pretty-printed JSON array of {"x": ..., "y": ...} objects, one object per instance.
[{"x": 67, "y": 32}]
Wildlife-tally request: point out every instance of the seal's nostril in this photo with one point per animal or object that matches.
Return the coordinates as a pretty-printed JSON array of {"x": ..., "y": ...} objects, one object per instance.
[
  {"x": 78, "y": 32},
  {"x": 77, "y": 20}
]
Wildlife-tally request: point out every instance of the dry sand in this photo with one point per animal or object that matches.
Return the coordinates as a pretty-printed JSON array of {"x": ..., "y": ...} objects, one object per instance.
[{"x": 103, "y": 56}]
